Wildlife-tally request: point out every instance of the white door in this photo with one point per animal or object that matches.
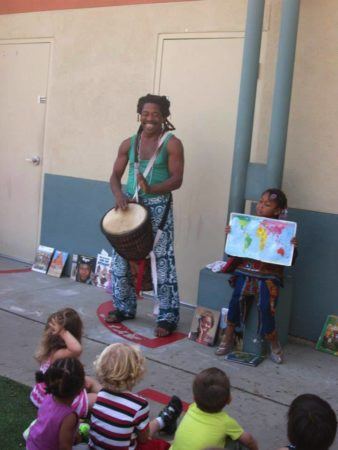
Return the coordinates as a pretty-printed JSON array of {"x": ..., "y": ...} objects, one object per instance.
[
  {"x": 23, "y": 81},
  {"x": 201, "y": 78}
]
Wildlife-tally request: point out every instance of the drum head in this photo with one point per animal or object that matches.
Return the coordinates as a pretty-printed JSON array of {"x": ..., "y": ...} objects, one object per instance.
[{"x": 117, "y": 222}]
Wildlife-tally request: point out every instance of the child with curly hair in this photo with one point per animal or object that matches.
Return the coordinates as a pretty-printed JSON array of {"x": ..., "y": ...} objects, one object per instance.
[
  {"x": 119, "y": 417},
  {"x": 62, "y": 339}
]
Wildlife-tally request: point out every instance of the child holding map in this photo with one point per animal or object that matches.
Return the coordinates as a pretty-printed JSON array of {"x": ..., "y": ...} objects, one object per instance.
[{"x": 258, "y": 280}]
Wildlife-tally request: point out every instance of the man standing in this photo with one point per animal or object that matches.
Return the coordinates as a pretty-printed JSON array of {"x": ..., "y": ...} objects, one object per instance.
[{"x": 153, "y": 142}]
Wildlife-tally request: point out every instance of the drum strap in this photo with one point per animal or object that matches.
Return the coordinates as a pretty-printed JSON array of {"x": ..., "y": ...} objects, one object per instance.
[
  {"x": 152, "y": 253},
  {"x": 151, "y": 161}
]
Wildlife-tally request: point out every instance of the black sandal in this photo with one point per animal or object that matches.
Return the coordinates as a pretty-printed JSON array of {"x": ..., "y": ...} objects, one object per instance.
[
  {"x": 117, "y": 317},
  {"x": 165, "y": 325}
]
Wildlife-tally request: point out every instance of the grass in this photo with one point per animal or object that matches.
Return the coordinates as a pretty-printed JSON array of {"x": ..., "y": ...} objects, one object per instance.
[{"x": 17, "y": 412}]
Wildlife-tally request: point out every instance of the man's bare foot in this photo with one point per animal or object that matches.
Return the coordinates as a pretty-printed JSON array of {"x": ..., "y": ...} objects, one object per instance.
[
  {"x": 162, "y": 332},
  {"x": 164, "y": 328}
]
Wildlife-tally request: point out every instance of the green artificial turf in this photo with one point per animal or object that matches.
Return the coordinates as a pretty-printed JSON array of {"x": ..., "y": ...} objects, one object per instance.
[{"x": 17, "y": 412}]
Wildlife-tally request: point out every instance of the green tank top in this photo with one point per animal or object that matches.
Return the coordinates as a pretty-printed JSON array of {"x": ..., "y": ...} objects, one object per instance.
[{"x": 158, "y": 173}]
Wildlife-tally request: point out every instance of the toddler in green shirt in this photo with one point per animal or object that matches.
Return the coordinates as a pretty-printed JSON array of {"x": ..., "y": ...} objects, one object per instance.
[{"x": 206, "y": 424}]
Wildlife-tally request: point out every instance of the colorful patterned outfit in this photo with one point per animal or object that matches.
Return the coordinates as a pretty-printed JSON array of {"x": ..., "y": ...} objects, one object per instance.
[
  {"x": 199, "y": 430},
  {"x": 80, "y": 404},
  {"x": 255, "y": 281},
  {"x": 123, "y": 291},
  {"x": 44, "y": 433}
]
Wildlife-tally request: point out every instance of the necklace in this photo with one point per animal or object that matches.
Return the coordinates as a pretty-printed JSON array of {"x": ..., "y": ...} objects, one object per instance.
[
  {"x": 152, "y": 149},
  {"x": 155, "y": 151}
]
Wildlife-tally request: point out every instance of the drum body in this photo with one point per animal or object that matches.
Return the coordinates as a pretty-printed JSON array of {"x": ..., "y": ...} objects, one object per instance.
[{"x": 129, "y": 232}]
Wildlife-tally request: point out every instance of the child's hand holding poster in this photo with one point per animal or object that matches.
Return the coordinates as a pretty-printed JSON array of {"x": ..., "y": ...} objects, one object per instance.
[{"x": 261, "y": 238}]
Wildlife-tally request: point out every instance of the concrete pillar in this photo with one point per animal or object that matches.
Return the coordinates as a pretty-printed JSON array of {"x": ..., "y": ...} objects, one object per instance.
[
  {"x": 246, "y": 104},
  {"x": 282, "y": 93}
]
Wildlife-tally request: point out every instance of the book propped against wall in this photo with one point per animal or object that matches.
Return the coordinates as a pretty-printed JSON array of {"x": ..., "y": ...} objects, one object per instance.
[
  {"x": 85, "y": 269},
  {"x": 42, "y": 259},
  {"x": 74, "y": 266},
  {"x": 328, "y": 339},
  {"x": 222, "y": 325},
  {"x": 248, "y": 359},
  {"x": 57, "y": 263},
  {"x": 102, "y": 277},
  {"x": 204, "y": 326}
]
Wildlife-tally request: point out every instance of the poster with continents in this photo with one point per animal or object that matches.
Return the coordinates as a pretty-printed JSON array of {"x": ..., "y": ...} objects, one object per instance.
[{"x": 260, "y": 238}]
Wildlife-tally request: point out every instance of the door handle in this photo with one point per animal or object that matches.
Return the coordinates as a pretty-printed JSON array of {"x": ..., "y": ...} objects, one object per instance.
[{"x": 35, "y": 160}]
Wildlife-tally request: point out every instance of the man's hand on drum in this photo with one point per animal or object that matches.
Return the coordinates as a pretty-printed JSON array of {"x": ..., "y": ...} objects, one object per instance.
[
  {"x": 143, "y": 183},
  {"x": 122, "y": 201}
]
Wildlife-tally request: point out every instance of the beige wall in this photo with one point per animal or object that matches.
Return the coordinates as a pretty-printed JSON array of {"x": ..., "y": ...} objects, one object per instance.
[
  {"x": 103, "y": 60},
  {"x": 311, "y": 165}
]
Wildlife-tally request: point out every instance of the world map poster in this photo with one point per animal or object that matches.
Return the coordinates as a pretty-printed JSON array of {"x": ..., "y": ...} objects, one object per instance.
[{"x": 267, "y": 240}]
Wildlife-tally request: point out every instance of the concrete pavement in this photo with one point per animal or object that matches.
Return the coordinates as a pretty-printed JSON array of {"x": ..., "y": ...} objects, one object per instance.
[{"x": 261, "y": 395}]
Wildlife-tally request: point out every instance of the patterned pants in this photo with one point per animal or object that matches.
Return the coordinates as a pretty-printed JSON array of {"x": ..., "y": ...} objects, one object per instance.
[
  {"x": 265, "y": 293},
  {"x": 124, "y": 295}
]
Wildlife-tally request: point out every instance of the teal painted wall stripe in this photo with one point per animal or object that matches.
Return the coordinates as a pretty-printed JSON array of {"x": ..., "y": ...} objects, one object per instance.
[{"x": 72, "y": 210}]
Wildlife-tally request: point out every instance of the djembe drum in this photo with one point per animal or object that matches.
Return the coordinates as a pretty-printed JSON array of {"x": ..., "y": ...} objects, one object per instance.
[
  {"x": 131, "y": 235},
  {"x": 129, "y": 231}
]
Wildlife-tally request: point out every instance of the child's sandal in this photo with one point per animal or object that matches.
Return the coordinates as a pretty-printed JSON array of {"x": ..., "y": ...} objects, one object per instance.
[
  {"x": 224, "y": 348},
  {"x": 276, "y": 355}
]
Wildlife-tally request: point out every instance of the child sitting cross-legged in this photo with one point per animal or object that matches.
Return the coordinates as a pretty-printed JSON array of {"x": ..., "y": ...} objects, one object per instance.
[
  {"x": 56, "y": 425},
  {"x": 120, "y": 418},
  {"x": 205, "y": 424},
  {"x": 62, "y": 339}
]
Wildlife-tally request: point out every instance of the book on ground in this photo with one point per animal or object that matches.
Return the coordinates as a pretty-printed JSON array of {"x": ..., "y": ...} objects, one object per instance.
[
  {"x": 85, "y": 269},
  {"x": 248, "y": 359},
  {"x": 57, "y": 263},
  {"x": 74, "y": 266},
  {"x": 204, "y": 326},
  {"x": 328, "y": 339},
  {"x": 102, "y": 277},
  {"x": 42, "y": 259}
]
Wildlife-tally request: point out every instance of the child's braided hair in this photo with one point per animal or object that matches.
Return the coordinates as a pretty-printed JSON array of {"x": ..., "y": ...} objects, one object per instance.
[{"x": 64, "y": 378}]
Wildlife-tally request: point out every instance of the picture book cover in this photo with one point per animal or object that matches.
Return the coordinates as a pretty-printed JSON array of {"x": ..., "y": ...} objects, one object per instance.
[
  {"x": 328, "y": 339},
  {"x": 222, "y": 325},
  {"x": 74, "y": 266},
  {"x": 42, "y": 259},
  {"x": 248, "y": 359},
  {"x": 102, "y": 277},
  {"x": 85, "y": 269},
  {"x": 57, "y": 263},
  {"x": 260, "y": 238},
  {"x": 204, "y": 326}
]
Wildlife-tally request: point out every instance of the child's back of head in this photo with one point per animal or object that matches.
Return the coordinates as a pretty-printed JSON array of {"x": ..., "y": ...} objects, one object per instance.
[
  {"x": 119, "y": 367},
  {"x": 211, "y": 389},
  {"x": 312, "y": 423},
  {"x": 64, "y": 379}
]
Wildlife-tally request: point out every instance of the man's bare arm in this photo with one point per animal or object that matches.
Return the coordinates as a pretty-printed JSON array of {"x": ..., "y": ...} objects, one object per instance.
[{"x": 118, "y": 170}]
